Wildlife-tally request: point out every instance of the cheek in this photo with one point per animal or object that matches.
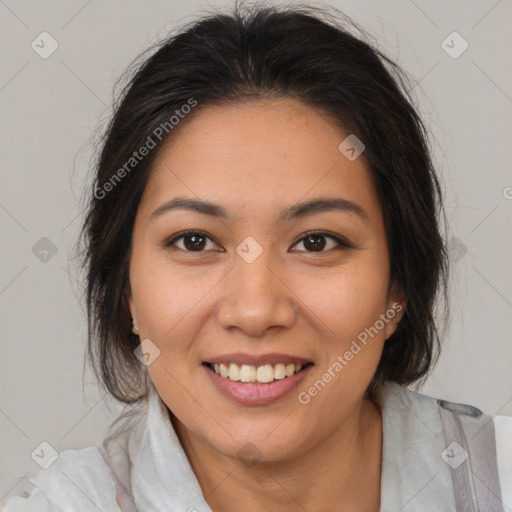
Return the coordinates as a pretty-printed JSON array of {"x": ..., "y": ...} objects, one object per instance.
[
  {"x": 165, "y": 296},
  {"x": 348, "y": 300},
  {"x": 346, "y": 313}
]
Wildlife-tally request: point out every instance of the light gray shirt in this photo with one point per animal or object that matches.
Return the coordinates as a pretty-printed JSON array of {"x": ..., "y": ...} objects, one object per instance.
[{"x": 436, "y": 456}]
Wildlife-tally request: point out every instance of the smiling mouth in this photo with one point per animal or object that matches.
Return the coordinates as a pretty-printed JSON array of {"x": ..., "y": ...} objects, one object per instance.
[{"x": 264, "y": 374}]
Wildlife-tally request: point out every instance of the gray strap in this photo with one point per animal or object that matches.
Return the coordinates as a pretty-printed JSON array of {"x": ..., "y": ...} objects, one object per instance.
[{"x": 471, "y": 454}]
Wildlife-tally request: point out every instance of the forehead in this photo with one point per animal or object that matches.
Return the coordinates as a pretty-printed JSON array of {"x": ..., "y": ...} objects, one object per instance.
[{"x": 257, "y": 154}]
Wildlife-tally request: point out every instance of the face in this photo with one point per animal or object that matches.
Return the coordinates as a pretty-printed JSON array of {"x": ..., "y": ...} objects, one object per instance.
[{"x": 252, "y": 288}]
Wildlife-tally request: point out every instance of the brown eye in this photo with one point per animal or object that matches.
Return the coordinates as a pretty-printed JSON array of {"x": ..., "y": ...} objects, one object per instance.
[
  {"x": 193, "y": 241},
  {"x": 316, "y": 242}
]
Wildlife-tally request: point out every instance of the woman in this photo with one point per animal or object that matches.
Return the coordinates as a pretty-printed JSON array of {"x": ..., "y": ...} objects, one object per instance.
[{"x": 263, "y": 257}]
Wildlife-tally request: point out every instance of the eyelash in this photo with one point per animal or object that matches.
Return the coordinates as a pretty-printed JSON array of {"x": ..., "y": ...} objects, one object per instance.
[{"x": 342, "y": 243}]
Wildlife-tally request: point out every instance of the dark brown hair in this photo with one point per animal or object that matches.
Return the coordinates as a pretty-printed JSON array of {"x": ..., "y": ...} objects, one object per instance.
[{"x": 266, "y": 51}]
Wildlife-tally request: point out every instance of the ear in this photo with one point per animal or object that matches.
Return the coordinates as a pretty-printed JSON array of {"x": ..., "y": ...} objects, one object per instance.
[{"x": 395, "y": 309}]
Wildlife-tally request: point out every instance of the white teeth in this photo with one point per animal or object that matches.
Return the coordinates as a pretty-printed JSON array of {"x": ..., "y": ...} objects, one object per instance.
[
  {"x": 265, "y": 373},
  {"x": 224, "y": 372},
  {"x": 249, "y": 373},
  {"x": 234, "y": 372},
  {"x": 279, "y": 371}
]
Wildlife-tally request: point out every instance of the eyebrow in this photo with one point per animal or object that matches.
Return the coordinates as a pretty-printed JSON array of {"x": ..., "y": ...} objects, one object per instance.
[{"x": 296, "y": 211}]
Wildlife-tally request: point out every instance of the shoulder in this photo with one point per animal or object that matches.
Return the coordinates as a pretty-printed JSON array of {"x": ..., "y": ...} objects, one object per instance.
[
  {"x": 418, "y": 402},
  {"x": 459, "y": 417},
  {"x": 474, "y": 442},
  {"x": 88, "y": 479},
  {"x": 77, "y": 480}
]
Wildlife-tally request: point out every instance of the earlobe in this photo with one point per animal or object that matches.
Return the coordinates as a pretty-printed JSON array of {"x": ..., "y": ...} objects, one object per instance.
[
  {"x": 135, "y": 328},
  {"x": 395, "y": 311}
]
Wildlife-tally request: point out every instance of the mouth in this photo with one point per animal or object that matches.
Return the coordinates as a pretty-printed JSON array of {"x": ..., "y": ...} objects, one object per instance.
[
  {"x": 242, "y": 383},
  {"x": 257, "y": 374},
  {"x": 250, "y": 379}
]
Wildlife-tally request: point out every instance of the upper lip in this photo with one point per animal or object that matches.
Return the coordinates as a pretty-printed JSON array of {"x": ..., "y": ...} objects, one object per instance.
[{"x": 258, "y": 360}]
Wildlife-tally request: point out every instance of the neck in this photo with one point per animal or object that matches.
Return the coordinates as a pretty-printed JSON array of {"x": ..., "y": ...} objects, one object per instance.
[{"x": 341, "y": 473}]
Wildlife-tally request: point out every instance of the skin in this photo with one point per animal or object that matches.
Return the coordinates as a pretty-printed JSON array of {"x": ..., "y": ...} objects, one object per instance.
[{"x": 254, "y": 159}]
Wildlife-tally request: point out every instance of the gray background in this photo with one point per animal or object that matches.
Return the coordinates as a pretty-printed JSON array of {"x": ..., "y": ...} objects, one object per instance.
[{"x": 50, "y": 107}]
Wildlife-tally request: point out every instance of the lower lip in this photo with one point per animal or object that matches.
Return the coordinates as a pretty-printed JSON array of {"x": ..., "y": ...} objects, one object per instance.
[{"x": 256, "y": 394}]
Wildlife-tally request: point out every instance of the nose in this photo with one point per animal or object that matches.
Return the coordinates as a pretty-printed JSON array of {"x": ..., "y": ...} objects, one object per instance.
[{"x": 256, "y": 298}]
